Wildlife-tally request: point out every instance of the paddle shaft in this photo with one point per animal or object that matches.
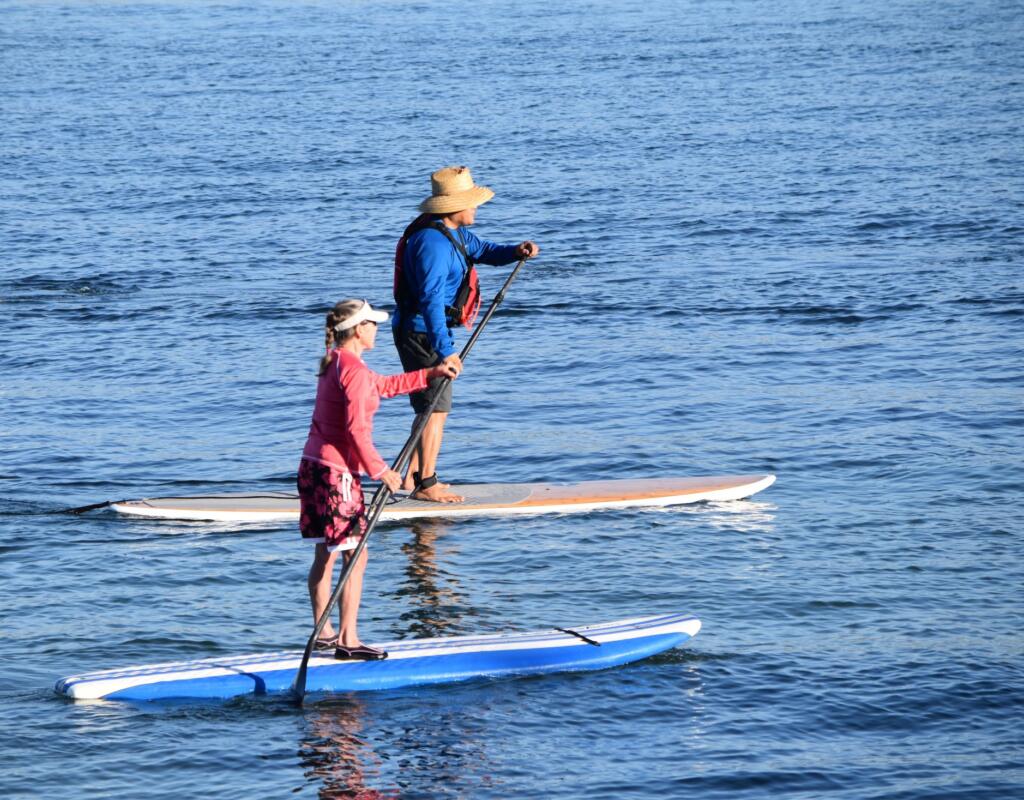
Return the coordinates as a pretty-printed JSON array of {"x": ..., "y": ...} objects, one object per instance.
[{"x": 383, "y": 493}]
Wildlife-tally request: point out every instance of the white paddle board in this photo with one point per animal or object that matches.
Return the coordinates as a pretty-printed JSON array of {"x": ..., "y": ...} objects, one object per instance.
[{"x": 496, "y": 499}]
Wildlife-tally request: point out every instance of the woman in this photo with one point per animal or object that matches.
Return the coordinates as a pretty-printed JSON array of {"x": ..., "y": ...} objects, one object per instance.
[{"x": 339, "y": 448}]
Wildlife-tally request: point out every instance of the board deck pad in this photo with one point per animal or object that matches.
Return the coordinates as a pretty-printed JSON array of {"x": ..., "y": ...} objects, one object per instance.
[
  {"x": 481, "y": 499},
  {"x": 409, "y": 662}
]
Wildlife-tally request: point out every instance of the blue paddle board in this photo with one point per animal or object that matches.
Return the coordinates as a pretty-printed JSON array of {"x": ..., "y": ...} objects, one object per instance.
[{"x": 409, "y": 663}]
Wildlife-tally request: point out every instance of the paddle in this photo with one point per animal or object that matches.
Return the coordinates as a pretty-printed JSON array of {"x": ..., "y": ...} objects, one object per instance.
[{"x": 384, "y": 493}]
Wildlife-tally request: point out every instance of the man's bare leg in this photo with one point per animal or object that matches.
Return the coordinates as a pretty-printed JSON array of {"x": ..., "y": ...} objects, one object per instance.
[
  {"x": 408, "y": 483},
  {"x": 430, "y": 446}
]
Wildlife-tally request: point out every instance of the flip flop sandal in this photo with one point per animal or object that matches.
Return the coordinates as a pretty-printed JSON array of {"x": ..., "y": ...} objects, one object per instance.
[
  {"x": 361, "y": 653},
  {"x": 326, "y": 643}
]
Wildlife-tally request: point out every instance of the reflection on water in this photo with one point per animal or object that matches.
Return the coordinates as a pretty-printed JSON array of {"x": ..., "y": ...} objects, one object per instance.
[
  {"x": 335, "y": 753},
  {"x": 742, "y": 516},
  {"x": 351, "y": 747},
  {"x": 436, "y": 605}
]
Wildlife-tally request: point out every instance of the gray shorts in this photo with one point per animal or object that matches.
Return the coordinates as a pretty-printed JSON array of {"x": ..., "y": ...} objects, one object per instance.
[{"x": 416, "y": 353}]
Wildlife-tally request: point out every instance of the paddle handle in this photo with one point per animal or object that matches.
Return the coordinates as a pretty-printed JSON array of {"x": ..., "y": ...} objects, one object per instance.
[{"x": 383, "y": 492}]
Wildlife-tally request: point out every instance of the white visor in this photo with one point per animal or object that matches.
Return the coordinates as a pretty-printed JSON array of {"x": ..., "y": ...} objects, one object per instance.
[{"x": 364, "y": 314}]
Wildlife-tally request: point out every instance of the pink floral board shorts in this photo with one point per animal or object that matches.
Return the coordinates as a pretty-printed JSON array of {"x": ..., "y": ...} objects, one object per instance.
[{"x": 331, "y": 506}]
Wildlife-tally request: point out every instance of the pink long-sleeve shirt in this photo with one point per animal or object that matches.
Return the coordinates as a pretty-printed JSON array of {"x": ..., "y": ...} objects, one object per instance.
[{"x": 347, "y": 396}]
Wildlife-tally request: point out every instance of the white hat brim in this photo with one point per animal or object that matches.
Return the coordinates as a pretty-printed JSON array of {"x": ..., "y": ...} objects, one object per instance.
[{"x": 366, "y": 313}]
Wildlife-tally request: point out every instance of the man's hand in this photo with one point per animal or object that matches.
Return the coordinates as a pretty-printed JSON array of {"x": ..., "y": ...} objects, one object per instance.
[{"x": 527, "y": 249}]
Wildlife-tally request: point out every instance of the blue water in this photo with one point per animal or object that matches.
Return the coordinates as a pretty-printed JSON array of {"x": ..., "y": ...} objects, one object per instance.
[{"x": 776, "y": 237}]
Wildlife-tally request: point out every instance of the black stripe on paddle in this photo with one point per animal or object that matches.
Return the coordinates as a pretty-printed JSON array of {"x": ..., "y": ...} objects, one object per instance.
[{"x": 383, "y": 493}]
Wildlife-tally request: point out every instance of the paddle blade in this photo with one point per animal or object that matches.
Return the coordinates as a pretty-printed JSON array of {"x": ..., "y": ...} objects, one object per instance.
[{"x": 299, "y": 686}]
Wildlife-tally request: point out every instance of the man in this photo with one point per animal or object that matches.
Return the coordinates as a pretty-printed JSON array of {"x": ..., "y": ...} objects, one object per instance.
[{"x": 434, "y": 292}]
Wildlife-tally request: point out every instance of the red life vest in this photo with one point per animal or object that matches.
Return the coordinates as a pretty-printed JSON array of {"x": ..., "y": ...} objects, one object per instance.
[{"x": 464, "y": 309}]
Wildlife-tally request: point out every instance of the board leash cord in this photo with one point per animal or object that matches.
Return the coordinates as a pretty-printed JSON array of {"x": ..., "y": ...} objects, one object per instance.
[{"x": 579, "y": 635}]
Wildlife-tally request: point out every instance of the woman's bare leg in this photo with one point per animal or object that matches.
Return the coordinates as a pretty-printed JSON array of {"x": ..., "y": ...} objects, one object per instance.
[
  {"x": 350, "y": 597},
  {"x": 319, "y": 583}
]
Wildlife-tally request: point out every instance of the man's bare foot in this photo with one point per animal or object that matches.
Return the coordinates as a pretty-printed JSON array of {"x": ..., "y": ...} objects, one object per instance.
[
  {"x": 408, "y": 485},
  {"x": 438, "y": 493}
]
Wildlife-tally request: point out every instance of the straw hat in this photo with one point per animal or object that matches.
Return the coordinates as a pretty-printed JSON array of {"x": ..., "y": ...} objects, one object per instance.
[{"x": 452, "y": 189}]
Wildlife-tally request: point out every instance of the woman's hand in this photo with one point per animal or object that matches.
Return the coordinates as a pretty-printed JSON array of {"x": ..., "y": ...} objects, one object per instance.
[
  {"x": 449, "y": 368},
  {"x": 391, "y": 479},
  {"x": 527, "y": 249}
]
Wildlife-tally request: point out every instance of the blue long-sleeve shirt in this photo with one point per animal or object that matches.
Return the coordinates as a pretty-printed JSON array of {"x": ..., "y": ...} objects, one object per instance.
[{"x": 433, "y": 270}]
